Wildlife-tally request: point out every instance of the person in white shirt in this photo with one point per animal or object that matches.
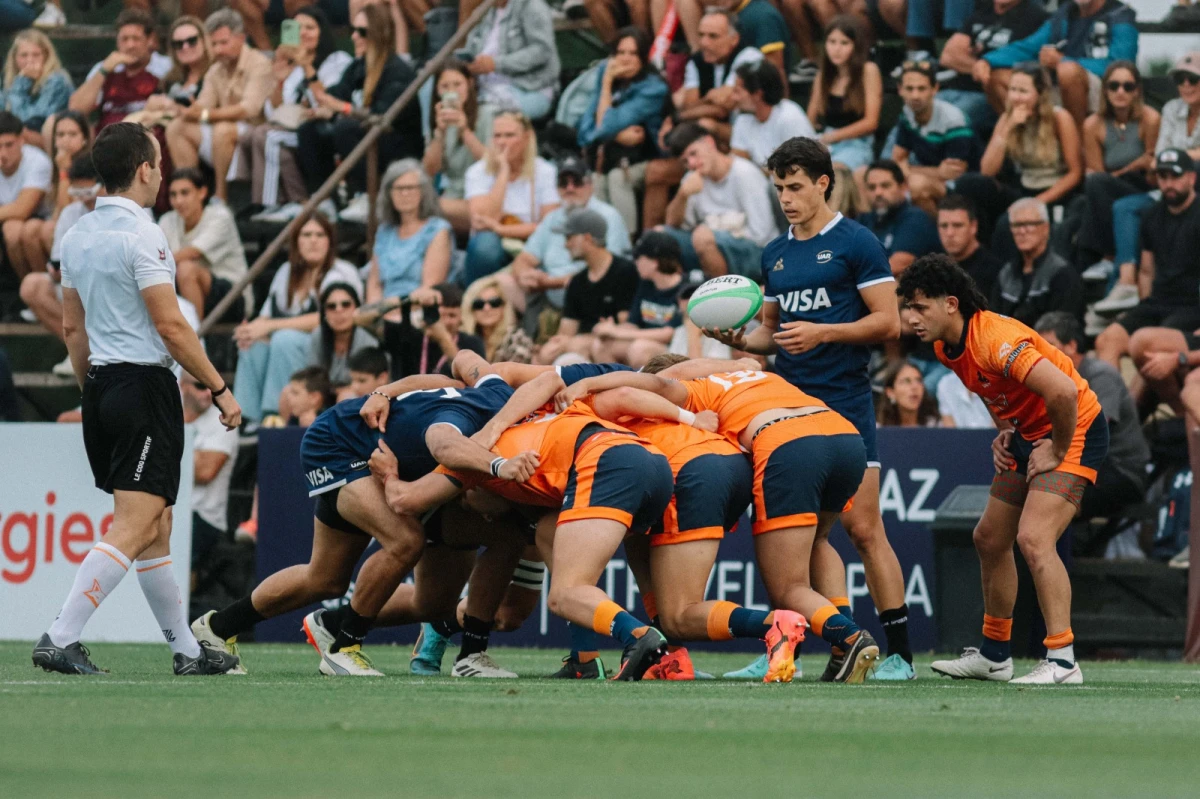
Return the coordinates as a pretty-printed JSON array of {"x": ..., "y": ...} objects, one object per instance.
[
  {"x": 723, "y": 214},
  {"x": 204, "y": 239},
  {"x": 124, "y": 331},
  {"x": 214, "y": 450},
  {"x": 959, "y": 406},
  {"x": 509, "y": 192},
  {"x": 767, "y": 119},
  {"x": 24, "y": 181}
]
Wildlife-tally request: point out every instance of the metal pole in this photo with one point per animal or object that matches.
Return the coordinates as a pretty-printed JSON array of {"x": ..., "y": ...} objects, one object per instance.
[{"x": 348, "y": 163}]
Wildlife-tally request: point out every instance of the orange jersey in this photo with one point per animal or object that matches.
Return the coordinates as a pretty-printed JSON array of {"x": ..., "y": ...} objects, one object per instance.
[
  {"x": 553, "y": 436},
  {"x": 737, "y": 397},
  {"x": 680, "y": 442},
  {"x": 998, "y": 355}
]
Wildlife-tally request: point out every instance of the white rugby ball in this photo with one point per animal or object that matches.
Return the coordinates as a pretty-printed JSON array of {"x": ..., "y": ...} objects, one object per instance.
[{"x": 726, "y": 303}]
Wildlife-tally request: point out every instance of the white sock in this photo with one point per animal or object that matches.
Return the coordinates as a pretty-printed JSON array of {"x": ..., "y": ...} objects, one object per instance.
[
  {"x": 1065, "y": 654},
  {"x": 101, "y": 571},
  {"x": 162, "y": 594}
]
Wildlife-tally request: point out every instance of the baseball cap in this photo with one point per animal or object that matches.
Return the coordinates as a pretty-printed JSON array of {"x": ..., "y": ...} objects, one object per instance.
[
  {"x": 1175, "y": 161},
  {"x": 659, "y": 246},
  {"x": 573, "y": 165},
  {"x": 1188, "y": 62},
  {"x": 584, "y": 220}
]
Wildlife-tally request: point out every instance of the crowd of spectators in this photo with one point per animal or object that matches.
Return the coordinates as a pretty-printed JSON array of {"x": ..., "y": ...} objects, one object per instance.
[{"x": 1026, "y": 150}]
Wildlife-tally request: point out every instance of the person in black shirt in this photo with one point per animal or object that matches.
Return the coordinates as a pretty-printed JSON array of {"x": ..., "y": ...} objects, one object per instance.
[
  {"x": 654, "y": 314},
  {"x": 958, "y": 230},
  {"x": 1040, "y": 280},
  {"x": 994, "y": 24},
  {"x": 604, "y": 290},
  {"x": 429, "y": 350}
]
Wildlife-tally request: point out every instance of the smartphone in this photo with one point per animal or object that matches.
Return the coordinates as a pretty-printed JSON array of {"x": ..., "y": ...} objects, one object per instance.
[
  {"x": 289, "y": 33},
  {"x": 450, "y": 100},
  {"x": 431, "y": 314},
  {"x": 466, "y": 56}
]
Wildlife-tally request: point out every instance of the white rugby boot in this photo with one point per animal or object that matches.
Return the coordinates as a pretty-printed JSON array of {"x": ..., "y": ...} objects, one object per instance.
[
  {"x": 480, "y": 665},
  {"x": 971, "y": 665},
  {"x": 1049, "y": 672},
  {"x": 205, "y": 635}
]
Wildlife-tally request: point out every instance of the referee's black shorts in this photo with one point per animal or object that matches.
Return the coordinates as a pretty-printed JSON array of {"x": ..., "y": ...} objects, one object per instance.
[{"x": 133, "y": 428}]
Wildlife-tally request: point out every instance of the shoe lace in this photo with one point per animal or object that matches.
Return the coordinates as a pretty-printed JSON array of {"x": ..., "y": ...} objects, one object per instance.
[
  {"x": 355, "y": 654},
  {"x": 1042, "y": 667},
  {"x": 485, "y": 660},
  {"x": 87, "y": 655},
  {"x": 969, "y": 651}
]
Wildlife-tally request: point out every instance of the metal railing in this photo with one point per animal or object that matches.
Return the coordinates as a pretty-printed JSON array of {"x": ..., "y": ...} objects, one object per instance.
[{"x": 364, "y": 149}]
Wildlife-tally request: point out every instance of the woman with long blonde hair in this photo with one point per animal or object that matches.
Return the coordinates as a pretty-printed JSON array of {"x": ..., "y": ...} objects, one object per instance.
[
  {"x": 487, "y": 314},
  {"x": 509, "y": 191},
  {"x": 35, "y": 84},
  {"x": 373, "y": 81}
]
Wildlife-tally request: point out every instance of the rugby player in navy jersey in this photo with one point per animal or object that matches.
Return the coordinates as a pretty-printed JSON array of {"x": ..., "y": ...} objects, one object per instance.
[
  {"x": 428, "y": 418},
  {"x": 829, "y": 295}
]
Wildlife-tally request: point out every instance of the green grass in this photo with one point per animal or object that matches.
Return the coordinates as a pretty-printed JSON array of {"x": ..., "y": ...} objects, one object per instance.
[{"x": 286, "y": 731}]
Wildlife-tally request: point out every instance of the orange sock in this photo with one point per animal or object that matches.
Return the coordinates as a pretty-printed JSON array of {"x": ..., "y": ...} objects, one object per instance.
[
  {"x": 718, "y": 621},
  {"x": 588, "y": 657},
  {"x": 818, "y": 619},
  {"x": 650, "y": 604},
  {"x": 997, "y": 629},
  {"x": 1059, "y": 640},
  {"x": 840, "y": 601},
  {"x": 602, "y": 619}
]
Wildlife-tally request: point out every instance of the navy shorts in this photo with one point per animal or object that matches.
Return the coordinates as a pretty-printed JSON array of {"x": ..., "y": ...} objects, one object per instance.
[
  {"x": 860, "y": 412},
  {"x": 712, "y": 491},
  {"x": 615, "y": 478},
  {"x": 331, "y": 458}
]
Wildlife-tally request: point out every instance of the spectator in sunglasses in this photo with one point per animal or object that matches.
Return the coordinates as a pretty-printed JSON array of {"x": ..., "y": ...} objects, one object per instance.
[
  {"x": 337, "y": 338},
  {"x": 486, "y": 314}
]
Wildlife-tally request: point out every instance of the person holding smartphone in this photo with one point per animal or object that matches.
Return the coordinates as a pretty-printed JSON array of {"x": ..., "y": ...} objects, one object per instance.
[{"x": 430, "y": 348}]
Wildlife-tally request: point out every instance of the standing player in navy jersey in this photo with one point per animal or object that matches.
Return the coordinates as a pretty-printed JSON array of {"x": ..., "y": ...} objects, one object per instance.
[{"x": 829, "y": 295}]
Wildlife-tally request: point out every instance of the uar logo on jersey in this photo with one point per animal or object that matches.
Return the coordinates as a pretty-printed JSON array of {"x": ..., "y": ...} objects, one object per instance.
[{"x": 805, "y": 300}]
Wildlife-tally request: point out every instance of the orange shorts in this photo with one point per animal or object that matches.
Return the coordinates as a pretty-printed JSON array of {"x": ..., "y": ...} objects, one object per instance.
[
  {"x": 804, "y": 466},
  {"x": 712, "y": 490},
  {"x": 618, "y": 478}
]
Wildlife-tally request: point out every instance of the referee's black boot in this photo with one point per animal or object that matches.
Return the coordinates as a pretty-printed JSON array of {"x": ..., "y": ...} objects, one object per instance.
[
  {"x": 70, "y": 659},
  {"x": 209, "y": 661}
]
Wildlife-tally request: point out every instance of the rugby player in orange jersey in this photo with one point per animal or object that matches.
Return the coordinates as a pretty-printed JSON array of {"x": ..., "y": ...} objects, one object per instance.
[
  {"x": 808, "y": 463},
  {"x": 1053, "y": 436},
  {"x": 607, "y": 483}
]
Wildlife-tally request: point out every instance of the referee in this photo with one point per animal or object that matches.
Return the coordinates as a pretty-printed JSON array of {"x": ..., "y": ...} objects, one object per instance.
[{"x": 124, "y": 332}]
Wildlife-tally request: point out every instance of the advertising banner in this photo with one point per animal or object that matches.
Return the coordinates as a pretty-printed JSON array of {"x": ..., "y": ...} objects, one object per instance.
[
  {"x": 51, "y": 514},
  {"x": 920, "y": 468}
]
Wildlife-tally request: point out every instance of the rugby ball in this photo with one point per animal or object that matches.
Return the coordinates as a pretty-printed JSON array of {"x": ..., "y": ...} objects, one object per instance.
[{"x": 726, "y": 303}]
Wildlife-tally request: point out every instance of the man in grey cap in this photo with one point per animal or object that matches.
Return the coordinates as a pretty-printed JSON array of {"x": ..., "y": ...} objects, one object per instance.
[
  {"x": 544, "y": 267},
  {"x": 603, "y": 290}
]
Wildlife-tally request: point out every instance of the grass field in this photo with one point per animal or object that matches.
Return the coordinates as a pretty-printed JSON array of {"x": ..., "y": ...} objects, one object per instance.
[{"x": 1133, "y": 729}]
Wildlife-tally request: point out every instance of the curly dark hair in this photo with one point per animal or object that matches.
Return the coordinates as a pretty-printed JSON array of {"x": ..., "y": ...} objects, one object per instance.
[{"x": 939, "y": 275}]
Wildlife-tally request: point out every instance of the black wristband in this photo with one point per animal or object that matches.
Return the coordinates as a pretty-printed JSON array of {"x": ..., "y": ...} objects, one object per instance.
[{"x": 224, "y": 387}]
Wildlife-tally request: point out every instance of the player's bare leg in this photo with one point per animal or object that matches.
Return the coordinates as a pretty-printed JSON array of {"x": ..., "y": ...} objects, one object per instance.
[
  {"x": 438, "y": 581},
  {"x": 581, "y": 552},
  {"x": 783, "y": 560}
]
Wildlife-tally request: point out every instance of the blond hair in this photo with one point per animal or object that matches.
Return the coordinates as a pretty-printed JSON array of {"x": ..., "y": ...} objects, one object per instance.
[
  {"x": 530, "y": 155},
  {"x": 508, "y": 319},
  {"x": 52, "y": 65}
]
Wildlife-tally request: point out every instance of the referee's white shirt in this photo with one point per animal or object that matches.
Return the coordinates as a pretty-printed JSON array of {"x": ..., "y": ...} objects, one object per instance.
[{"x": 109, "y": 256}]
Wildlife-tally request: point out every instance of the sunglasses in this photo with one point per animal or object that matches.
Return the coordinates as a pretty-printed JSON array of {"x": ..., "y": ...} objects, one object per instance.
[
  {"x": 1128, "y": 85},
  {"x": 190, "y": 41},
  {"x": 480, "y": 304},
  {"x": 359, "y": 31},
  {"x": 923, "y": 66},
  {"x": 570, "y": 180},
  {"x": 1189, "y": 78},
  {"x": 339, "y": 306}
]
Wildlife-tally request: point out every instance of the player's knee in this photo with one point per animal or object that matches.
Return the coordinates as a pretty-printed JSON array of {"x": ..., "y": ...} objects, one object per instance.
[
  {"x": 864, "y": 531},
  {"x": 988, "y": 541},
  {"x": 1036, "y": 546},
  {"x": 671, "y": 625},
  {"x": 556, "y": 598}
]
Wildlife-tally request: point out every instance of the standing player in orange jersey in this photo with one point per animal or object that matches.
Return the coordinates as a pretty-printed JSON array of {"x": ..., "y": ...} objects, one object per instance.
[
  {"x": 808, "y": 463},
  {"x": 1053, "y": 437}
]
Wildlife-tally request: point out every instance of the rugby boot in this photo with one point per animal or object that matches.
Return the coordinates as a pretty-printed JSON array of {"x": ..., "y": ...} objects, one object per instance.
[{"x": 70, "y": 659}]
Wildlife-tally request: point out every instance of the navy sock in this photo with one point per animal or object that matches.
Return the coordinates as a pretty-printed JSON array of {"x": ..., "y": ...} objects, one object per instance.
[
  {"x": 623, "y": 626},
  {"x": 583, "y": 639},
  {"x": 746, "y": 623},
  {"x": 995, "y": 651},
  {"x": 475, "y": 636},
  {"x": 895, "y": 627},
  {"x": 837, "y": 629}
]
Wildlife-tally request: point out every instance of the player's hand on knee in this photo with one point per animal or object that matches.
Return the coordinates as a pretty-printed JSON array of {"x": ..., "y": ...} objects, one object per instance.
[
  {"x": 1042, "y": 459},
  {"x": 519, "y": 468},
  {"x": 375, "y": 412},
  {"x": 231, "y": 412},
  {"x": 706, "y": 420},
  {"x": 1001, "y": 457},
  {"x": 383, "y": 462}
]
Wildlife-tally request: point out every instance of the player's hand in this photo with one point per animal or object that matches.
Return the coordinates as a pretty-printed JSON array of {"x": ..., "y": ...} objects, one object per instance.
[
  {"x": 519, "y": 468},
  {"x": 706, "y": 420},
  {"x": 393, "y": 495},
  {"x": 383, "y": 463},
  {"x": 1042, "y": 459},
  {"x": 799, "y": 337},
  {"x": 569, "y": 394},
  {"x": 730, "y": 338},
  {"x": 1002, "y": 458},
  {"x": 231, "y": 412},
  {"x": 375, "y": 412},
  {"x": 1160, "y": 365}
]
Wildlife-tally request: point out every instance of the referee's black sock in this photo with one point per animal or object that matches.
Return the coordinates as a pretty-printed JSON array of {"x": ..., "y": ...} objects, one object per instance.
[
  {"x": 237, "y": 618},
  {"x": 354, "y": 629},
  {"x": 447, "y": 628},
  {"x": 895, "y": 627},
  {"x": 475, "y": 636}
]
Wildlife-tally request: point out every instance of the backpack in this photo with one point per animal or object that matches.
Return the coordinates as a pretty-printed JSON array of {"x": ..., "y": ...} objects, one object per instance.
[{"x": 1174, "y": 516}]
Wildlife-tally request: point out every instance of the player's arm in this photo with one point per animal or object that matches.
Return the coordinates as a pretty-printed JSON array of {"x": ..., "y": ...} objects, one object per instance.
[
  {"x": 75, "y": 334},
  {"x": 185, "y": 347},
  {"x": 882, "y": 322},
  {"x": 703, "y": 367},
  {"x": 664, "y": 387},
  {"x": 470, "y": 367},
  {"x": 1061, "y": 396},
  {"x": 455, "y": 451},
  {"x": 620, "y": 402},
  {"x": 376, "y": 408},
  {"x": 761, "y": 340},
  {"x": 518, "y": 374},
  {"x": 415, "y": 498},
  {"x": 524, "y": 401}
]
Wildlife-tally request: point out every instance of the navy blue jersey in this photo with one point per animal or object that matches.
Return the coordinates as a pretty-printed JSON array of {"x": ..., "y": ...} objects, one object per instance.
[
  {"x": 574, "y": 372},
  {"x": 335, "y": 449},
  {"x": 819, "y": 281}
]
